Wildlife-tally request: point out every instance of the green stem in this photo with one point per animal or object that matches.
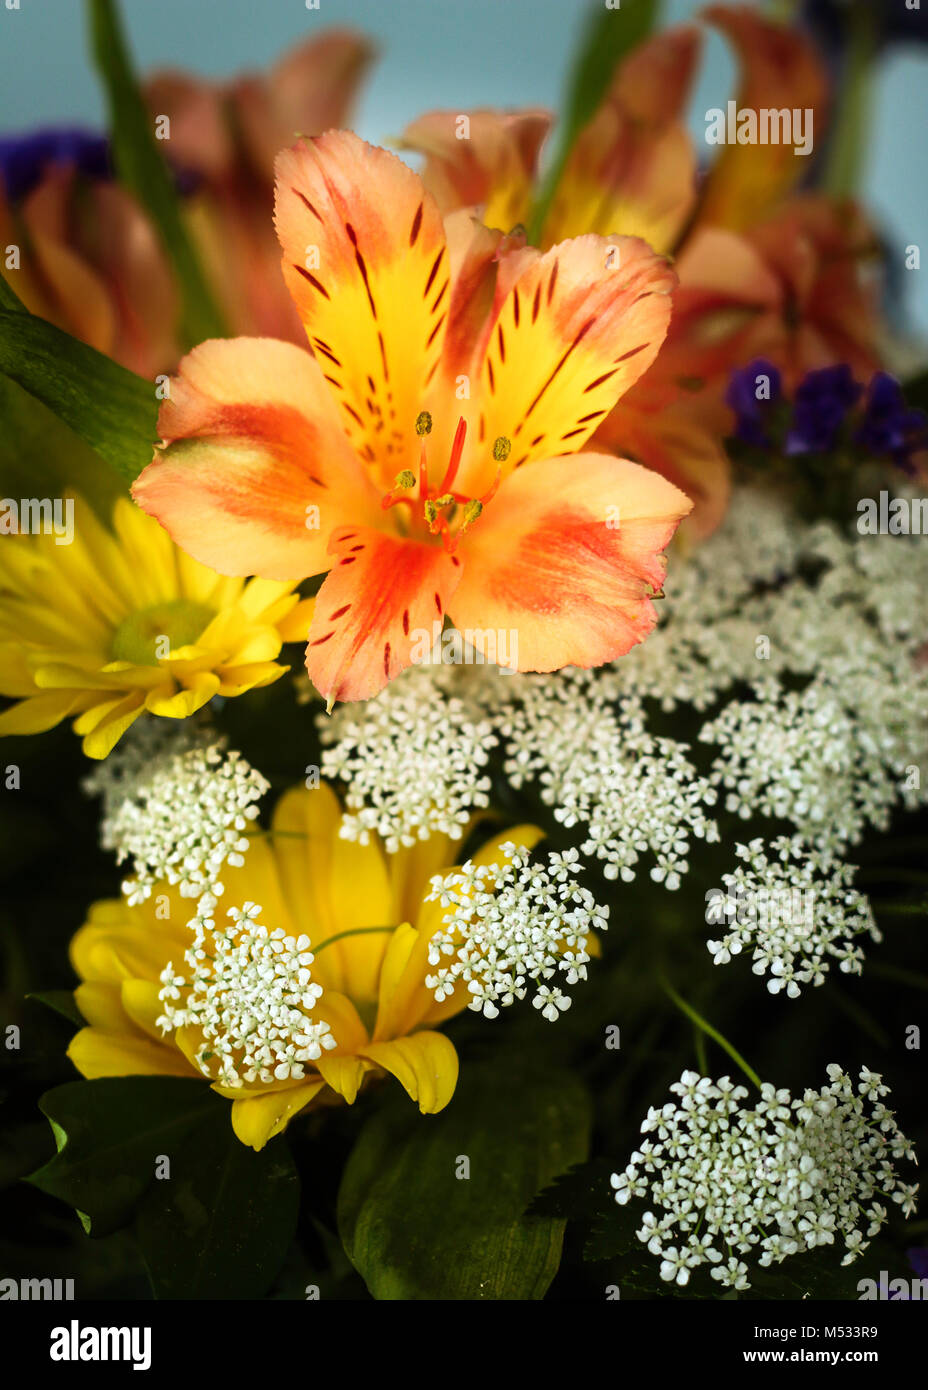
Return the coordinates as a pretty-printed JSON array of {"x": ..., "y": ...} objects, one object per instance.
[
  {"x": 710, "y": 1032},
  {"x": 352, "y": 931},
  {"x": 843, "y": 170},
  {"x": 897, "y": 972},
  {"x": 887, "y": 872}
]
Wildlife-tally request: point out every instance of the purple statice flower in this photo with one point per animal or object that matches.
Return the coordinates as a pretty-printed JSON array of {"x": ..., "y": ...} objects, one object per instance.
[
  {"x": 888, "y": 427},
  {"x": 821, "y": 403},
  {"x": 753, "y": 393},
  {"x": 23, "y": 158}
]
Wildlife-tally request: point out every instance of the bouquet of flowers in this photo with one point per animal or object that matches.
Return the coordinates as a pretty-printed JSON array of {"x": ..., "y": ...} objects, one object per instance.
[{"x": 486, "y": 579}]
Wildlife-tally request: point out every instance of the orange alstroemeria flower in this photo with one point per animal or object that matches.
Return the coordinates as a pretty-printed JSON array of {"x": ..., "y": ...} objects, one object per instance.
[
  {"x": 426, "y": 454},
  {"x": 91, "y": 261},
  {"x": 631, "y": 170},
  {"x": 761, "y": 272},
  {"x": 780, "y": 69},
  {"x": 227, "y": 134}
]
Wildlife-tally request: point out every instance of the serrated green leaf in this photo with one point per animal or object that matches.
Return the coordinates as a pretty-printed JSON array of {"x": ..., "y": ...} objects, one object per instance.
[
  {"x": 220, "y": 1225},
  {"x": 576, "y": 1194},
  {"x": 110, "y": 1133},
  {"x": 414, "y": 1229},
  {"x": 110, "y": 408},
  {"x": 145, "y": 174}
]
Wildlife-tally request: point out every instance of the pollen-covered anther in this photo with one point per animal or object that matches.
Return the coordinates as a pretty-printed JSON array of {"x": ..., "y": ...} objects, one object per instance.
[
  {"x": 423, "y": 423},
  {"x": 471, "y": 513},
  {"x": 502, "y": 448},
  {"x": 405, "y": 482}
]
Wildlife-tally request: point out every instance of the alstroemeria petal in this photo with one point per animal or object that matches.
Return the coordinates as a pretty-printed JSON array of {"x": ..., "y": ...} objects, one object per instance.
[
  {"x": 780, "y": 70},
  {"x": 654, "y": 81},
  {"x": 202, "y": 139},
  {"x": 258, "y": 470},
  {"x": 577, "y": 329},
  {"x": 312, "y": 88},
  {"x": 563, "y": 561},
  {"x": 490, "y": 162},
  {"x": 679, "y": 442},
  {"x": 625, "y": 177},
  {"x": 382, "y": 597},
  {"x": 632, "y": 169},
  {"x": 366, "y": 262}
]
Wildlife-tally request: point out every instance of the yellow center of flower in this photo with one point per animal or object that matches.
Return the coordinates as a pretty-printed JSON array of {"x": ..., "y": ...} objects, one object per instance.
[{"x": 150, "y": 634}]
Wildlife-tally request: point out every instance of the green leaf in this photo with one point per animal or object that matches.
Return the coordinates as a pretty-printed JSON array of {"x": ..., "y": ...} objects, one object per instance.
[
  {"x": 221, "y": 1224},
  {"x": 9, "y": 299},
  {"x": 61, "y": 1001},
  {"x": 609, "y": 36},
  {"x": 41, "y": 456},
  {"x": 110, "y": 408},
  {"x": 577, "y": 1193},
  {"x": 414, "y": 1229},
  {"x": 145, "y": 174},
  {"x": 109, "y": 1134}
]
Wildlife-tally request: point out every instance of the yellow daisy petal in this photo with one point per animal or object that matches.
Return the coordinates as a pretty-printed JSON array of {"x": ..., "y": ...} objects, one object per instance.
[
  {"x": 96, "y": 1053},
  {"x": 257, "y": 1119},
  {"x": 426, "y": 1066}
]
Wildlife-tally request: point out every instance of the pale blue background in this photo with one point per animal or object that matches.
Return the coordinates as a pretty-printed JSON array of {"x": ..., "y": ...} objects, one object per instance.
[{"x": 456, "y": 53}]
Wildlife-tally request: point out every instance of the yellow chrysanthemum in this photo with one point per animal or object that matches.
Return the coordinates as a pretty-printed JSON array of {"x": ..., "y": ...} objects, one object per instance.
[
  {"x": 116, "y": 623},
  {"x": 352, "y": 912}
]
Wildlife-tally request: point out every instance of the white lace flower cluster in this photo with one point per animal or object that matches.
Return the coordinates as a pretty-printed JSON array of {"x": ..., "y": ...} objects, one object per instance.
[
  {"x": 720, "y": 598},
  {"x": 250, "y": 993},
  {"x": 769, "y": 1181},
  {"x": 833, "y": 759},
  {"x": 414, "y": 759},
  {"x": 812, "y": 636},
  {"x": 796, "y": 908},
  {"x": 176, "y": 804},
  {"x": 512, "y": 925},
  {"x": 598, "y": 766}
]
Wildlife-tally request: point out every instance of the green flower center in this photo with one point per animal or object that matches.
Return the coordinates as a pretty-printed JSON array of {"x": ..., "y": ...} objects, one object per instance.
[{"x": 150, "y": 634}]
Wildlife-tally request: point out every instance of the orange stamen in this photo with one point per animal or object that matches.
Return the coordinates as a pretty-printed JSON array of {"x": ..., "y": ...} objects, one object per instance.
[{"x": 457, "y": 449}]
